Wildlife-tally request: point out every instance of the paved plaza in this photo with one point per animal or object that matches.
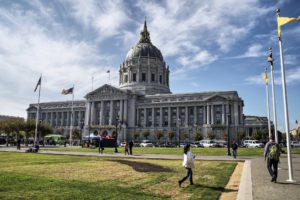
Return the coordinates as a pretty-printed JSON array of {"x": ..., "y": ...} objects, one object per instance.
[{"x": 255, "y": 181}]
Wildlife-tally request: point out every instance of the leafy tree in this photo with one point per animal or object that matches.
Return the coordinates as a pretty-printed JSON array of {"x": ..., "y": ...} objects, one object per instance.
[
  {"x": 265, "y": 134},
  {"x": 184, "y": 136},
  {"x": 255, "y": 135},
  {"x": 210, "y": 135},
  {"x": 171, "y": 135},
  {"x": 44, "y": 129},
  {"x": 241, "y": 135},
  {"x": 158, "y": 134},
  {"x": 146, "y": 133},
  {"x": 76, "y": 134},
  {"x": 60, "y": 131},
  {"x": 135, "y": 135},
  {"x": 225, "y": 136},
  {"x": 198, "y": 136},
  {"x": 29, "y": 130}
]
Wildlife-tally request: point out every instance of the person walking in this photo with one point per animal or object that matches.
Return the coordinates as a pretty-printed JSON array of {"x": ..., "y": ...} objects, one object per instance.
[
  {"x": 272, "y": 154},
  {"x": 19, "y": 144},
  {"x": 101, "y": 145},
  {"x": 130, "y": 147},
  {"x": 188, "y": 164},
  {"x": 126, "y": 148},
  {"x": 234, "y": 147}
]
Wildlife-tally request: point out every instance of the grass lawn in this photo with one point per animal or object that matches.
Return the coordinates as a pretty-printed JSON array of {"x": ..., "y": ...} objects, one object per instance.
[
  {"x": 175, "y": 151},
  {"x": 40, "y": 176}
]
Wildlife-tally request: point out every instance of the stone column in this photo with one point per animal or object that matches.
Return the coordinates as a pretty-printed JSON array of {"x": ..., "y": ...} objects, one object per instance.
[
  {"x": 125, "y": 110},
  {"x": 177, "y": 116},
  {"x": 111, "y": 112},
  {"x": 101, "y": 113},
  {"x": 153, "y": 118},
  {"x": 87, "y": 115},
  {"x": 51, "y": 119},
  {"x": 169, "y": 117},
  {"x": 223, "y": 114},
  {"x": 227, "y": 112},
  {"x": 56, "y": 119},
  {"x": 160, "y": 117},
  {"x": 186, "y": 116},
  {"x": 92, "y": 113},
  {"x": 195, "y": 115},
  {"x": 121, "y": 110},
  {"x": 212, "y": 114},
  {"x": 62, "y": 119},
  {"x": 204, "y": 115},
  {"x": 145, "y": 117},
  {"x": 208, "y": 115}
]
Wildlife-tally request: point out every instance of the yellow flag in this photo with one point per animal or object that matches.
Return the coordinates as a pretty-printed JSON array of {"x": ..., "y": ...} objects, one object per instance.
[
  {"x": 265, "y": 77},
  {"x": 284, "y": 20}
]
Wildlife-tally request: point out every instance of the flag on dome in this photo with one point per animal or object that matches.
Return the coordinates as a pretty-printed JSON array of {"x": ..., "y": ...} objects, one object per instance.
[{"x": 68, "y": 91}]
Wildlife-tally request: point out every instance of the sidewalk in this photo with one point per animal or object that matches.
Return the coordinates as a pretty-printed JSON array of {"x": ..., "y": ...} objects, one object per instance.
[{"x": 255, "y": 181}]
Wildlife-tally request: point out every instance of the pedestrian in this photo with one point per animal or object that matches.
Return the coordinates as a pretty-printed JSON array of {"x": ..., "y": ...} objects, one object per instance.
[
  {"x": 19, "y": 144},
  {"x": 126, "y": 148},
  {"x": 188, "y": 164},
  {"x": 272, "y": 154},
  {"x": 130, "y": 147},
  {"x": 101, "y": 145},
  {"x": 234, "y": 147}
]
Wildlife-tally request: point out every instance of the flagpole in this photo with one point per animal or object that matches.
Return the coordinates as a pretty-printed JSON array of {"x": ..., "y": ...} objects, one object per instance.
[
  {"x": 268, "y": 106},
  {"x": 72, "y": 113},
  {"x": 37, "y": 114},
  {"x": 286, "y": 114},
  {"x": 270, "y": 60}
]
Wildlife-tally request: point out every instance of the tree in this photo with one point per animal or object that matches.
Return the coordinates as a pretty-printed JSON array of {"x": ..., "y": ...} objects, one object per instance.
[
  {"x": 76, "y": 134},
  {"x": 60, "y": 131},
  {"x": 255, "y": 135},
  {"x": 198, "y": 136},
  {"x": 44, "y": 129},
  {"x": 184, "y": 136},
  {"x": 135, "y": 135},
  {"x": 29, "y": 130},
  {"x": 241, "y": 135},
  {"x": 265, "y": 134},
  {"x": 210, "y": 135},
  {"x": 171, "y": 135},
  {"x": 158, "y": 135},
  {"x": 146, "y": 133}
]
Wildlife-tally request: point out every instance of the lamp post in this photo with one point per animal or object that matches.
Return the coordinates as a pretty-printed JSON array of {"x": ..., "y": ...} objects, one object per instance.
[
  {"x": 178, "y": 132},
  {"x": 228, "y": 135},
  {"x": 81, "y": 127},
  {"x": 116, "y": 143}
]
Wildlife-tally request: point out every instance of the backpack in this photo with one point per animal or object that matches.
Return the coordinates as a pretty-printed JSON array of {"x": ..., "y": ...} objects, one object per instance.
[{"x": 274, "y": 152}]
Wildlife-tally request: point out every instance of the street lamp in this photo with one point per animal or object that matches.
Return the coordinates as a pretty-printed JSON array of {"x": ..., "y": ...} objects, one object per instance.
[
  {"x": 228, "y": 135},
  {"x": 81, "y": 127},
  {"x": 116, "y": 143}
]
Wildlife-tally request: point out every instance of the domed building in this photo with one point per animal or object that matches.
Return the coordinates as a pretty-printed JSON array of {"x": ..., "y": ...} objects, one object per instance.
[{"x": 143, "y": 104}]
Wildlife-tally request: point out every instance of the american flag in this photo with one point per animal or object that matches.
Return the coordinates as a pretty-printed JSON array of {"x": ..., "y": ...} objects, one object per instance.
[{"x": 68, "y": 91}]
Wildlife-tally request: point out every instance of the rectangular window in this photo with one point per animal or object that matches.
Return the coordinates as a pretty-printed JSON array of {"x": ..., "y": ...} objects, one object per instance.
[
  {"x": 160, "y": 78},
  {"x": 126, "y": 78},
  {"x": 143, "y": 76},
  {"x": 134, "y": 77},
  {"x": 152, "y": 77}
]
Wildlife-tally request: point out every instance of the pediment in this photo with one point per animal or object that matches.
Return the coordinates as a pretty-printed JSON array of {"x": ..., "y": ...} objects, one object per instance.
[
  {"x": 216, "y": 98},
  {"x": 106, "y": 92},
  {"x": 31, "y": 108}
]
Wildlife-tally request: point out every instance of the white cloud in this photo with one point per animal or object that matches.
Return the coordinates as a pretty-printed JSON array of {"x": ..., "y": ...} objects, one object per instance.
[
  {"x": 255, "y": 50},
  {"x": 200, "y": 59}
]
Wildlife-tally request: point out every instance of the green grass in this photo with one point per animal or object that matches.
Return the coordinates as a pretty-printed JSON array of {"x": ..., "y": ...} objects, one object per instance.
[
  {"x": 40, "y": 176},
  {"x": 175, "y": 151}
]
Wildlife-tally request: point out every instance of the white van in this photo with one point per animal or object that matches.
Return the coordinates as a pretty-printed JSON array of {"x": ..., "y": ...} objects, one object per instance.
[
  {"x": 208, "y": 143},
  {"x": 252, "y": 144}
]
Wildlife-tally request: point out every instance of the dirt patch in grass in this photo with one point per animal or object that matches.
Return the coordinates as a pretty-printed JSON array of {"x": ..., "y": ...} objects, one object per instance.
[
  {"x": 143, "y": 166},
  {"x": 232, "y": 186}
]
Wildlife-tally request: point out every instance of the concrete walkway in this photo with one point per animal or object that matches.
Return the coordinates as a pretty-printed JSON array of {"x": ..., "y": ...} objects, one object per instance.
[{"x": 255, "y": 181}]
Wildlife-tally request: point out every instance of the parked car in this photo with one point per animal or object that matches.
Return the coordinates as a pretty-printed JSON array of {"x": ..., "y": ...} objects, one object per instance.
[
  {"x": 146, "y": 143},
  {"x": 252, "y": 144},
  {"x": 295, "y": 144},
  {"x": 182, "y": 145},
  {"x": 220, "y": 143},
  {"x": 122, "y": 144},
  {"x": 196, "y": 144},
  {"x": 208, "y": 143}
]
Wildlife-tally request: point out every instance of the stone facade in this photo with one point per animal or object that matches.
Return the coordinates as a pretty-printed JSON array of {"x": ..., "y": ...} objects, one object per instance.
[{"x": 143, "y": 101}]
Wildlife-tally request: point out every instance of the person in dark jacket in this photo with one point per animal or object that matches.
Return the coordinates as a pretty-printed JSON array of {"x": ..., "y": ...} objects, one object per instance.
[
  {"x": 101, "y": 146},
  {"x": 130, "y": 147},
  {"x": 234, "y": 147},
  {"x": 19, "y": 144}
]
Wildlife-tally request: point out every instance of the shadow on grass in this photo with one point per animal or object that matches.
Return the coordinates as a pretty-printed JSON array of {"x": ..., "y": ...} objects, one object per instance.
[
  {"x": 220, "y": 189},
  {"x": 143, "y": 167}
]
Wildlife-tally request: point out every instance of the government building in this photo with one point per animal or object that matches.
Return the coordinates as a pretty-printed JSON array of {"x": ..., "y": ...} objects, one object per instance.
[{"x": 143, "y": 102}]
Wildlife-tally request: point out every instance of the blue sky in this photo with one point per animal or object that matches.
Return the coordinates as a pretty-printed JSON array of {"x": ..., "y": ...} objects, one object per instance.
[{"x": 209, "y": 45}]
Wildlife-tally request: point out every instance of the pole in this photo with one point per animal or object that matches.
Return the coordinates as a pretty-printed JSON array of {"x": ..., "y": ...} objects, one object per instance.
[
  {"x": 286, "y": 115},
  {"x": 72, "y": 113},
  {"x": 228, "y": 139},
  {"x": 270, "y": 60},
  {"x": 268, "y": 107},
  {"x": 37, "y": 114}
]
